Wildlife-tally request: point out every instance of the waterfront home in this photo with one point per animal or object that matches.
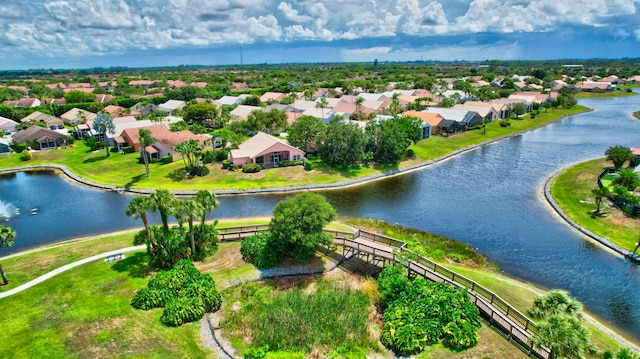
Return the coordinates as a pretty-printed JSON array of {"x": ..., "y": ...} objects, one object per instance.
[
  {"x": 464, "y": 117},
  {"x": 488, "y": 113},
  {"x": 52, "y": 122},
  {"x": 76, "y": 116},
  {"x": 265, "y": 150},
  {"x": 166, "y": 141},
  {"x": 8, "y": 125},
  {"x": 429, "y": 118},
  {"x": 5, "y": 148},
  {"x": 39, "y": 138}
]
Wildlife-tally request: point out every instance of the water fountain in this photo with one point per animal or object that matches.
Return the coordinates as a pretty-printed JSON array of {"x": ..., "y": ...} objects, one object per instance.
[{"x": 7, "y": 210}]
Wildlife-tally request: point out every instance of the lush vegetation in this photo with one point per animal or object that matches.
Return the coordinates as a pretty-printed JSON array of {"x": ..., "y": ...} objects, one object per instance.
[
  {"x": 573, "y": 191},
  {"x": 7, "y": 237},
  {"x": 184, "y": 293},
  {"x": 419, "y": 313},
  {"x": 295, "y": 231},
  {"x": 328, "y": 320}
]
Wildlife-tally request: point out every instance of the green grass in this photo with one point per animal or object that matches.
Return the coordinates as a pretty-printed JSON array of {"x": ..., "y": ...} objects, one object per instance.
[
  {"x": 617, "y": 93},
  {"x": 326, "y": 318},
  {"x": 572, "y": 191},
  {"x": 85, "y": 313},
  {"x": 126, "y": 171}
]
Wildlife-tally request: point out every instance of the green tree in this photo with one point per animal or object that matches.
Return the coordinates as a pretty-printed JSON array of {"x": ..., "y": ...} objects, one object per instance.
[
  {"x": 268, "y": 122},
  {"x": 203, "y": 113},
  {"x": 103, "y": 124},
  {"x": 305, "y": 131},
  {"x": 359, "y": 101},
  {"x": 342, "y": 144},
  {"x": 138, "y": 208},
  {"x": 252, "y": 100},
  {"x": 189, "y": 150},
  {"x": 164, "y": 203},
  {"x": 146, "y": 139},
  {"x": 297, "y": 225},
  {"x": 208, "y": 202},
  {"x": 619, "y": 155},
  {"x": 628, "y": 178},
  {"x": 411, "y": 126},
  {"x": 192, "y": 209},
  {"x": 76, "y": 96},
  {"x": 518, "y": 108},
  {"x": 386, "y": 141},
  {"x": 7, "y": 237},
  {"x": 560, "y": 326},
  {"x": 322, "y": 104}
]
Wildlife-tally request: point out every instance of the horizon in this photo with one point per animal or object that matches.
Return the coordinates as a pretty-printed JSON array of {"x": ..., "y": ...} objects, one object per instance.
[{"x": 82, "y": 34}]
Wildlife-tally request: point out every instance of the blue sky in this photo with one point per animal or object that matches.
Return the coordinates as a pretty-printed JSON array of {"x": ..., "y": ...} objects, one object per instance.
[{"x": 135, "y": 33}]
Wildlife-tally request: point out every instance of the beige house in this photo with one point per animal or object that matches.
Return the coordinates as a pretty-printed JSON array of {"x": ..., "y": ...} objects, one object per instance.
[{"x": 265, "y": 150}]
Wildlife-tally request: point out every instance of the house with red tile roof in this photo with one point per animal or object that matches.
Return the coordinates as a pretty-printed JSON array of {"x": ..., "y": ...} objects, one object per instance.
[
  {"x": 265, "y": 150},
  {"x": 28, "y": 102},
  {"x": 268, "y": 97},
  {"x": 166, "y": 141}
]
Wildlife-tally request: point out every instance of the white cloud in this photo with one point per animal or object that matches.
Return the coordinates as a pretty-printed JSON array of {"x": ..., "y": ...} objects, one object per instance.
[{"x": 291, "y": 14}]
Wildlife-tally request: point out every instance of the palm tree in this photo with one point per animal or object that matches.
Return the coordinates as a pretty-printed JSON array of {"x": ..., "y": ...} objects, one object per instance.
[
  {"x": 7, "y": 236},
  {"x": 208, "y": 202},
  {"x": 146, "y": 139},
  {"x": 619, "y": 155},
  {"x": 627, "y": 178},
  {"x": 600, "y": 194},
  {"x": 358, "y": 103},
  {"x": 164, "y": 202},
  {"x": 103, "y": 124},
  {"x": 137, "y": 208},
  {"x": 322, "y": 104},
  {"x": 192, "y": 208}
]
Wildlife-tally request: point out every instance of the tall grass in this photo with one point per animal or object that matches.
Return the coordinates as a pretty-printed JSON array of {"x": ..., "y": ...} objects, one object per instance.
[{"x": 326, "y": 318}]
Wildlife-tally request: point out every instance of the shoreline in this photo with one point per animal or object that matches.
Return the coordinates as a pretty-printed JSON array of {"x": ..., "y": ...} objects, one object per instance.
[{"x": 70, "y": 176}]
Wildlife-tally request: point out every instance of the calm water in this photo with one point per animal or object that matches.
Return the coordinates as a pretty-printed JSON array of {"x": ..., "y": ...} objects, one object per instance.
[{"x": 490, "y": 198}]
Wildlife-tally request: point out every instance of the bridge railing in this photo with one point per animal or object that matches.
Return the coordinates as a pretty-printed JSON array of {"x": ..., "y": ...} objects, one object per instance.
[{"x": 381, "y": 238}]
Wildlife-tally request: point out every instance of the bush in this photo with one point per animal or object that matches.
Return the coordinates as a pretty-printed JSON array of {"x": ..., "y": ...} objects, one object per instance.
[
  {"x": 25, "y": 156},
  {"x": 199, "y": 171},
  {"x": 19, "y": 148},
  {"x": 290, "y": 163},
  {"x": 256, "y": 353},
  {"x": 226, "y": 164},
  {"x": 182, "y": 310},
  {"x": 259, "y": 251},
  {"x": 308, "y": 166},
  {"x": 251, "y": 168},
  {"x": 208, "y": 157},
  {"x": 71, "y": 140},
  {"x": 504, "y": 123},
  {"x": 221, "y": 155},
  {"x": 167, "y": 160}
]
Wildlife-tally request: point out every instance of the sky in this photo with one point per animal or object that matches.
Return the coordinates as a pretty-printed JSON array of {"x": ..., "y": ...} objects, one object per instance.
[{"x": 62, "y": 34}]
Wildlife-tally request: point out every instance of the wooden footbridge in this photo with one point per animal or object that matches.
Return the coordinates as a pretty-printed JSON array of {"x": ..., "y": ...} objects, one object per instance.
[{"x": 382, "y": 250}]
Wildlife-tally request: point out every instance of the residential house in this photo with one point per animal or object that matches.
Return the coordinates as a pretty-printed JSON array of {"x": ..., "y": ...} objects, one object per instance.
[
  {"x": 172, "y": 106},
  {"x": 85, "y": 130},
  {"x": 323, "y": 114},
  {"x": 633, "y": 80},
  {"x": 52, "y": 122},
  {"x": 242, "y": 112},
  {"x": 5, "y": 147},
  {"x": 501, "y": 109},
  {"x": 166, "y": 141},
  {"x": 371, "y": 96},
  {"x": 115, "y": 111},
  {"x": 81, "y": 89},
  {"x": 140, "y": 83},
  {"x": 636, "y": 152},
  {"x": 144, "y": 110},
  {"x": 463, "y": 117},
  {"x": 429, "y": 118},
  {"x": 510, "y": 101},
  {"x": 270, "y": 97},
  {"x": 229, "y": 100},
  {"x": 39, "y": 138},
  {"x": 101, "y": 97},
  {"x": 597, "y": 87},
  {"x": 28, "y": 102},
  {"x": 304, "y": 105},
  {"x": 265, "y": 150},
  {"x": 486, "y": 112},
  {"x": 8, "y": 125},
  {"x": 176, "y": 83},
  {"x": 76, "y": 116}
]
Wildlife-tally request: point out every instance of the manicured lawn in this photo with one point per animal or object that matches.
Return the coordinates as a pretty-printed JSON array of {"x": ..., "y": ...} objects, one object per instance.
[
  {"x": 124, "y": 170},
  {"x": 85, "y": 313},
  {"x": 617, "y": 93},
  {"x": 572, "y": 191}
]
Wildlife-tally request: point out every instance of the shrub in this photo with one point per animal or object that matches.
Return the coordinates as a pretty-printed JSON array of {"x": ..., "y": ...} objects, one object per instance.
[
  {"x": 208, "y": 157},
  {"x": 19, "y": 148},
  {"x": 166, "y": 160},
  {"x": 221, "y": 155},
  {"x": 147, "y": 298},
  {"x": 199, "y": 171},
  {"x": 226, "y": 164},
  {"x": 71, "y": 140},
  {"x": 182, "y": 310},
  {"x": 251, "y": 168},
  {"x": 504, "y": 123},
  {"x": 25, "y": 156},
  {"x": 256, "y": 353},
  {"x": 259, "y": 251},
  {"x": 308, "y": 166}
]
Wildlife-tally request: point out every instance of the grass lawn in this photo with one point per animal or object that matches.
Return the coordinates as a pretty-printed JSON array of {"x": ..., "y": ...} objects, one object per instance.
[
  {"x": 126, "y": 171},
  {"x": 85, "y": 313},
  {"x": 618, "y": 93},
  {"x": 572, "y": 191}
]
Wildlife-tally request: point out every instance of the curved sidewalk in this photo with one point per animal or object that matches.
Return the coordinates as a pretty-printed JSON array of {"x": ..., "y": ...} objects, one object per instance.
[{"x": 65, "y": 268}]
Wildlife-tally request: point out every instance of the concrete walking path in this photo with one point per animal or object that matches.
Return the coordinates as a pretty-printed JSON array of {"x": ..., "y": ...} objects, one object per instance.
[{"x": 65, "y": 268}]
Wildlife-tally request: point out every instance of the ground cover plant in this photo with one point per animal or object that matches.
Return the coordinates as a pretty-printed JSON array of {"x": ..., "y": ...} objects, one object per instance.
[
  {"x": 318, "y": 316},
  {"x": 184, "y": 293},
  {"x": 419, "y": 313}
]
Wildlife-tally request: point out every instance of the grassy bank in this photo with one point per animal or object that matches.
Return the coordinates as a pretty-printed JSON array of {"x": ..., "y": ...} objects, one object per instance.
[
  {"x": 620, "y": 92},
  {"x": 572, "y": 191},
  {"x": 125, "y": 170}
]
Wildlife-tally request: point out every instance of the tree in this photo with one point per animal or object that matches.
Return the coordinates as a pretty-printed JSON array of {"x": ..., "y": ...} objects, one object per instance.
[
  {"x": 146, "y": 139},
  {"x": 305, "y": 131},
  {"x": 628, "y": 178},
  {"x": 359, "y": 101},
  {"x": 103, "y": 124},
  {"x": 269, "y": 122},
  {"x": 77, "y": 96},
  {"x": 600, "y": 194},
  {"x": 619, "y": 155},
  {"x": 164, "y": 203},
  {"x": 322, "y": 104},
  {"x": 386, "y": 141},
  {"x": 518, "y": 108},
  {"x": 342, "y": 144},
  {"x": 208, "y": 202},
  {"x": 137, "y": 208},
  {"x": 202, "y": 113},
  {"x": 7, "y": 237},
  {"x": 411, "y": 126},
  {"x": 189, "y": 150},
  {"x": 297, "y": 224},
  {"x": 252, "y": 100},
  {"x": 560, "y": 326},
  {"x": 192, "y": 209}
]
